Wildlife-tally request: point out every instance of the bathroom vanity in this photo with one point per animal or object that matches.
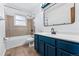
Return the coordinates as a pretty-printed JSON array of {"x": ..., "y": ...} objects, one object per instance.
[{"x": 56, "y": 44}]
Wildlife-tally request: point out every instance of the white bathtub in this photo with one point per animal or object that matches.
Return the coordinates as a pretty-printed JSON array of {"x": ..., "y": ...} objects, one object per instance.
[{"x": 12, "y": 42}]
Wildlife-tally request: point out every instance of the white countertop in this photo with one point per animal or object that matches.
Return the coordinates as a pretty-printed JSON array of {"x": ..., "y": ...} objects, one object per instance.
[{"x": 73, "y": 38}]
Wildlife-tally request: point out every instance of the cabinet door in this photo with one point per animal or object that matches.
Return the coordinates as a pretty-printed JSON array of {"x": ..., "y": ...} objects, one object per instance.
[
  {"x": 41, "y": 47},
  {"x": 61, "y": 52},
  {"x": 36, "y": 45},
  {"x": 69, "y": 46},
  {"x": 64, "y": 53},
  {"x": 49, "y": 50},
  {"x": 36, "y": 42}
]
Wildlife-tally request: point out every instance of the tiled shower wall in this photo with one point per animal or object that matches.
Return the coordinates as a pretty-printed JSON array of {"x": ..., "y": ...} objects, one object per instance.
[{"x": 12, "y": 30}]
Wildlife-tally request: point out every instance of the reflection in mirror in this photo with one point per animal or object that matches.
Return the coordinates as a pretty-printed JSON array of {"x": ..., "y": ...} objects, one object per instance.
[
  {"x": 59, "y": 14},
  {"x": 72, "y": 14}
]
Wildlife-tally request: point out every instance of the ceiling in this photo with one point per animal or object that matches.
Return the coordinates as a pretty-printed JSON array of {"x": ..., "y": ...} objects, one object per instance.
[{"x": 27, "y": 7}]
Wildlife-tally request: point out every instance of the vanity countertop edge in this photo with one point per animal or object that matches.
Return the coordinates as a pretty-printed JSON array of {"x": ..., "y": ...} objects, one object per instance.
[{"x": 72, "y": 38}]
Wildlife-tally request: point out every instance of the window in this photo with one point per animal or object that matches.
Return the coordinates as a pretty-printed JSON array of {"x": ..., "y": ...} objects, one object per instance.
[{"x": 20, "y": 20}]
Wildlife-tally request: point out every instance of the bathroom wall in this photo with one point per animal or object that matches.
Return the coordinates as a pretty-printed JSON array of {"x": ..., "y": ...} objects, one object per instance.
[
  {"x": 12, "y": 11},
  {"x": 66, "y": 29},
  {"x": 2, "y": 35},
  {"x": 20, "y": 39},
  {"x": 69, "y": 29},
  {"x": 38, "y": 22},
  {"x": 2, "y": 31},
  {"x": 12, "y": 30}
]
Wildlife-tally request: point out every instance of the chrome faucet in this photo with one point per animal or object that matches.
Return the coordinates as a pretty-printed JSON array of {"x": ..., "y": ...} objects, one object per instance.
[{"x": 52, "y": 31}]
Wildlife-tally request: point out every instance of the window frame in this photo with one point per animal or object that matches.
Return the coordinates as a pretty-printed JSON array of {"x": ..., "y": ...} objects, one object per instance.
[{"x": 19, "y": 20}]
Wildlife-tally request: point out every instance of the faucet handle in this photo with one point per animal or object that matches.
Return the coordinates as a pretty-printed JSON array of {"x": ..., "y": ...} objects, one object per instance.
[{"x": 52, "y": 31}]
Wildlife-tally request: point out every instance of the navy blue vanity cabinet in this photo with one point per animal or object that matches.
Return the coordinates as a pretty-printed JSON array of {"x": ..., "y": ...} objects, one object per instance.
[
  {"x": 48, "y": 46},
  {"x": 41, "y": 45},
  {"x": 64, "y": 53},
  {"x": 36, "y": 42},
  {"x": 41, "y": 48},
  {"x": 70, "y": 47},
  {"x": 49, "y": 50},
  {"x": 49, "y": 40},
  {"x": 45, "y": 45},
  {"x": 61, "y": 52}
]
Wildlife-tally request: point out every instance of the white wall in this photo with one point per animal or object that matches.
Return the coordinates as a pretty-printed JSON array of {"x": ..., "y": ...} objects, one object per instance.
[
  {"x": 13, "y": 12},
  {"x": 2, "y": 31},
  {"x": 66, "y": 29},
  {"x": 38, "y": 22},
  {"x": 2, "y": 35},
  {"x": 2, "y": 10}
]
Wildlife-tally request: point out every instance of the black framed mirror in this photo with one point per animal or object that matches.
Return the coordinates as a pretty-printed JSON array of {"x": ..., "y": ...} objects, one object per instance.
[{"x": 55, "y": 14}]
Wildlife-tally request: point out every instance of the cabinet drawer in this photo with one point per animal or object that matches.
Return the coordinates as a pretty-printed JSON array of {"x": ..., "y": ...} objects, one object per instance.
[
  {"x": 71, "y": 47},
  {"x": 48, "y": 40}
]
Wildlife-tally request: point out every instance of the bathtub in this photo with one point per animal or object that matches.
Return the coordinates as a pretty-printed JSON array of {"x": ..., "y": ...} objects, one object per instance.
[{"x": 16, "y": 41}]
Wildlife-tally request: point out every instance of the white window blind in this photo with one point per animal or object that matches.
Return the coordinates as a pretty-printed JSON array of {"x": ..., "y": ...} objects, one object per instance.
[{"x": 20, "y": 20}]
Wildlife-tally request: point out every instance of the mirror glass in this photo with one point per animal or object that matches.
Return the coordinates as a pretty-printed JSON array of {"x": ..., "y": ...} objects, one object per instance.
[{"x": 59, "y": 14}]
